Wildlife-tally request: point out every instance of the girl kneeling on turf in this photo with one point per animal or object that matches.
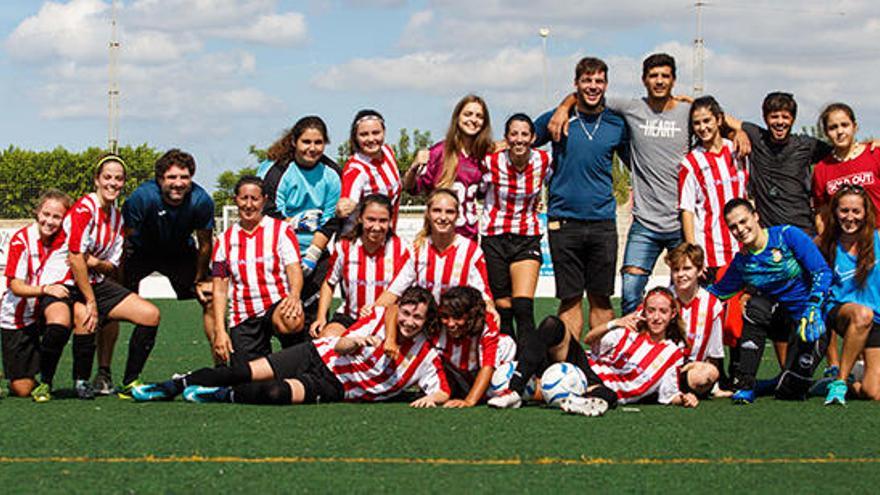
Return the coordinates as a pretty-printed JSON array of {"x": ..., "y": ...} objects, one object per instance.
[
  {"x": 27, "y": 348},
  {"x": 86, "y": 265},
  {"x": 641, "y": 356},
  {"x": 257, "y": 266},
  {"x": 363, "y": 264},
  {"x": 851, "y": 245},
  {"x": 512, "y": 181},
  {"x": 347, "y": 368}
]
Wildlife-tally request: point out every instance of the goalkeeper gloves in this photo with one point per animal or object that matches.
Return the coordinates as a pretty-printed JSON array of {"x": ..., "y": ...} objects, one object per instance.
[
  {"x": 310, "y": 260},
  {"x": 812, "y": 325}
]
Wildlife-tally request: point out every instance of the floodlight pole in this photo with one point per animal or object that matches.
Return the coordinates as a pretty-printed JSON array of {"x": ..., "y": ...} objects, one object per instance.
[
  {"x": 698, "y": 50},
  {"x": 113, "y": 88}
]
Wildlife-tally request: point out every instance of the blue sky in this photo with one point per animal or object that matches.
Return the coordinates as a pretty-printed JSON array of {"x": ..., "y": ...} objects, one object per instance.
[{"x": 214, "y": 76}]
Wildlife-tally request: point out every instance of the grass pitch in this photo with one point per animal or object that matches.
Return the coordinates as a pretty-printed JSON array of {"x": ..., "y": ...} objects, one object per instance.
[{"x": 112, "y": 446}]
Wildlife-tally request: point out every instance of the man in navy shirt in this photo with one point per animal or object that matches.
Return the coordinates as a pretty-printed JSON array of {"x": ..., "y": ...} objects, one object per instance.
[
  {"x": 160, "y": 219},
  {"x": 581, "y": 212}
]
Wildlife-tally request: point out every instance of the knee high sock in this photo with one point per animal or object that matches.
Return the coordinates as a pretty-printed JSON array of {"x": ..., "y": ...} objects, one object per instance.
[
  {"x": 506, "y": 315},
  {"x": 139, "y": 347},
  {"x": 535, "y": 344},
  {"x": 273, "y": 392},
  {"x": 83, "y": 355},
  {"x": 51, "y": 347},
  {"x": 221, "y": 376},
  {"x": 524, "y": 312}
]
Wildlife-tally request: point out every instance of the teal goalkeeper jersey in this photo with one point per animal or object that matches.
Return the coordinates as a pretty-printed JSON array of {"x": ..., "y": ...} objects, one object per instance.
[{"x": 790, "y": 270}]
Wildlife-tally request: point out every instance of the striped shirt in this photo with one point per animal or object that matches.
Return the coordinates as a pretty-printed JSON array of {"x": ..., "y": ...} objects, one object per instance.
[
  {"x": 703, "y": 317},
  {"x": 634, "y": 366},
  {"x": 513, "y": 196},
  {"x": 25, "y": 258},
  {"x": 469, "y": 353},
  {"x": 706, "y": 182},
  {"x": 363, "y": 176},
  {"x": 461, "y": 263},
  {"x": 363, "y": 276},
  {"x": 90, "y": 230},
  {"x": 368, "y": 375},
  {"x": 255, "y": 264}
]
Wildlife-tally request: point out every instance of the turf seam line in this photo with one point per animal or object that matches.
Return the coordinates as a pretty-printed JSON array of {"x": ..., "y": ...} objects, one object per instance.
[{"x": 541, "y": 461}]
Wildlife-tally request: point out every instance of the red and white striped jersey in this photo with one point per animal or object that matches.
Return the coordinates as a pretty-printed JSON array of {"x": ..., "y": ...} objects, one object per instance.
[
  {"x": 634, "y": 366},
  {"x": 89, "y": 230},
  {"x": 368, "y": 375},
  {"x": 364, "y": 276},
  {"x": 255, "y": 264},
  {"x": 461, "y": 263},
  {"x": 25, "y": 258},
  {"x": 362, "y": 176},
  {"x": 513, "y": 196},
  {"x": 469, "y": 353},
  {"x": 706, "y": 182},
  {"x": 703, "y": 317}
]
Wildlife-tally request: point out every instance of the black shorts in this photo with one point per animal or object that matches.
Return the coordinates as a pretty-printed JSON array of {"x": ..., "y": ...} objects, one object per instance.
[
  {"x": 311, "y": 290},
  {"x": 584, "y": 255},
  {"x": 839, "y": 325},
  {"x": 302, "y": 362},
  {"x": 21, "y": 352},
  {"x": 762, "y": 315},
  {"x": 252, "y": 338},
  {"x": 503, "y": 250},
  {"x": 108, "y": 295},
  {"x": 180, "y": 269}
]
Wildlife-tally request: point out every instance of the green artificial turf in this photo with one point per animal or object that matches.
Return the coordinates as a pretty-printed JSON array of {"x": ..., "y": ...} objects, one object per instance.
[{"x": 112, "y": 446}]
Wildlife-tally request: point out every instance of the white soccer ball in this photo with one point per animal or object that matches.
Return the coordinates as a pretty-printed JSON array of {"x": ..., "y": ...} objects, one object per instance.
[
  {"x": 562, "y": 380},
  {"x": 501, "y": 380}
]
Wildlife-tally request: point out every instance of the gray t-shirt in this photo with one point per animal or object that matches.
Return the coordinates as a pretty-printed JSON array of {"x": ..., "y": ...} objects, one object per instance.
[{"x": 658, "y": 142}]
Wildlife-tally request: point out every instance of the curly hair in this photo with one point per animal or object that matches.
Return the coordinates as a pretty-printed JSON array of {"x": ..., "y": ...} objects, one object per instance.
[
  {"x": 464, "y": 302},
  {"x": 283, "y": 150},
  {"x": 174, "y": 157}
]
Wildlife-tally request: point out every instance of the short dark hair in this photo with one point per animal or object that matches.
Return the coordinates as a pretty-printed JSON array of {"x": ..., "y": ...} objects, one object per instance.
[
  {"x": 778, "y": 101},
  {"x": 736, "y": 203},
  {"x": 658, "y": 60},
  {"x": 590, "y": 65},
  {"x": 249, "y": 179},
  {"x": 519, "y": 117},
  {"x": 174, "y": 157},
  {"x": 419, "y": 295}
]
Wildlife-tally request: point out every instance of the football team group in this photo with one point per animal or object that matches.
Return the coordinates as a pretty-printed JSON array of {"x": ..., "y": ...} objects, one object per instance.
[{"x": 767, "y": 234}]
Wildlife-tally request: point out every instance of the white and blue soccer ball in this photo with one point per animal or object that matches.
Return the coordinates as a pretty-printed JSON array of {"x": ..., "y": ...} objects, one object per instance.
[
  {"x": 501, "y": 380},
  {"x": 562, "y": 380}
]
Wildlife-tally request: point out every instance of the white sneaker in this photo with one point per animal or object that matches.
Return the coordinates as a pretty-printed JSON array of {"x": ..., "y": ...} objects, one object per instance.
[
  {"x": 586, "y": 406},
  {"x": 507, "y": 399}
]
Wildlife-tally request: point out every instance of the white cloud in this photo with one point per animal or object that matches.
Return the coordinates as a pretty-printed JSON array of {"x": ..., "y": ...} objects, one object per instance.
[
  {"x": 273, "y": 29},
  {"x": 166, "y": 71}
]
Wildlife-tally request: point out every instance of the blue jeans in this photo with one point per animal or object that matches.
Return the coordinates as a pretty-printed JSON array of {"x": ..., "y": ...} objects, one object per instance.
[{"x": 643, "y": 247}]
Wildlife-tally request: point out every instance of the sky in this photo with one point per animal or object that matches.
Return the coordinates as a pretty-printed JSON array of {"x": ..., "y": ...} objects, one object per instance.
[{"x": 213, "y": 77}]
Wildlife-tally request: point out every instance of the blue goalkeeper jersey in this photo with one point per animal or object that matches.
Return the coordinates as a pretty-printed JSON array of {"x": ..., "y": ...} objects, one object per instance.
[{"x": 789, "y": 269}]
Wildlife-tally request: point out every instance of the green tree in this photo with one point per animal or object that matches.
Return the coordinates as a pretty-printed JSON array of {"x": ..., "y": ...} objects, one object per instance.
[
  {"x": 621, "y": 181},
  {"x": 25, "y": 174},
  {"x": 260, "y": 154}
]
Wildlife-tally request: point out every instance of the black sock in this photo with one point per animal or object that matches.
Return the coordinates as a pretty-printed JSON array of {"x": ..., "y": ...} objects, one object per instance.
[
  {"x": 605, "y": 393},
  {"x": 506, "y": 315},
  {"x": 274, "y": 392},
  {"x": 141, "y": 343},
  {"x": 524, "y": 312},
  {"x": 223, "y": 376},
  {"x": 51, "y": 347},
  {"x": 534, "y": 351},
  {"x": 104, "y": 369},
  {"x": 83, "y": 355}
]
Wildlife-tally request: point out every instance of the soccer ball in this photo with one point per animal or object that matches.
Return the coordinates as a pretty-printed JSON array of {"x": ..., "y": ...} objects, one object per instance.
[
  {"x": 562, "y": 380},
  {"x": 501, "y": 380}
]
